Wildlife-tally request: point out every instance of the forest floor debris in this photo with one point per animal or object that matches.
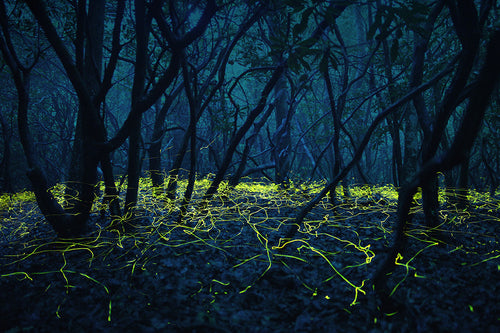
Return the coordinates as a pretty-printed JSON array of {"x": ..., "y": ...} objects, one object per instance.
[{"x": 227, "y": 269}]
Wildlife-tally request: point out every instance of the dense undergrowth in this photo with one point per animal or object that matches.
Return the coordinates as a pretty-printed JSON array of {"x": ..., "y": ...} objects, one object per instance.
[{"x": 227, "y": 267}]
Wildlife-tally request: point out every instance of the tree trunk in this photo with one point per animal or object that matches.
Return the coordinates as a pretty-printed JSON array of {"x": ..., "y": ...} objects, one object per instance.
[
  {"x": 462, "y": 186},
  {"x": 234, "y": 180},
  {"x": 282, "y": 137},
  {"x": 411, "y": 147},
  {"x": 430, "y": 200},
  {"x": 75, "y": 171},
  {"x": 110, "y": 192},
  {"x": 458, "y": 152},
  {"x": 60, "y": 221},
  {"x": 92, "y": 129},
  {"x": 364, "y": 142},
  {"x": 193, "y": 119},
  {"x": 429, "y": 186},
  {"x": 154, "y": 151},
  {"x": 74, "y": 223},
  {"x": 5, "y": 163},
  {"x": 336, "y": 115},
  {"x": 134, "y": 160},
  {"x": 173, "y": 174},
  {"x": 492, "y": 175},
  {"x": 392, "y": 120},
  {"x": 240, "y": 133}
]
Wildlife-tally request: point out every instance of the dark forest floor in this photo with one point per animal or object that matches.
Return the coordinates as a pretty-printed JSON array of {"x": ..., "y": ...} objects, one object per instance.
[{"x": 227, "y": 270}]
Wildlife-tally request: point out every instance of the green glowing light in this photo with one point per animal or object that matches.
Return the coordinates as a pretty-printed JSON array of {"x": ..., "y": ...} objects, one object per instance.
[
  {"x": 109, "y": 311},
  {"x": 262, "y": 211},
  {"x": 57, "y": 311},
  {"x": 219, "y": 282}
]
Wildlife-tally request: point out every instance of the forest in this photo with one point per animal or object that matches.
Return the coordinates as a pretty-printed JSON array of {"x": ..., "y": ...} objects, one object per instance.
[{"x": 249, "y": 166}]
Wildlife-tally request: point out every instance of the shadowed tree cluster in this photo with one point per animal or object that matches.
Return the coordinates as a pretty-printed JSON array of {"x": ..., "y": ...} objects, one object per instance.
[{"x": 372, "y": 91}]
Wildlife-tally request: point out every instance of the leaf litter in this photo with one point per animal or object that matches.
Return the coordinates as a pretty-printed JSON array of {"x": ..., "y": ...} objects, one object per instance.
[{"x": 228, "y": 268}]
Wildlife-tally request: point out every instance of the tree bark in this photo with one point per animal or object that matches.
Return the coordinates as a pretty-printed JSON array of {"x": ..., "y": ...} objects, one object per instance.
[
  {"x": 62, "y": 223},
  {"x": 5, "y": 163},
  {"x": 336, "y": 115},
  {"x": 360, "y": 149},
  {"x": 193, "y": 119},
  {"x": 235, "y": 178},
  {"x": 393, "y": 122},
  {"x": 282, "y": 136},
  {"x": 458, "y": 152},
  {"x": 84, "y": 74},
  {"x": 240, "y": 133},
  {"x": 430, "y": 201},
  {"x": 154, "y": 150},
  {"x": 142, "y": 27}
]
